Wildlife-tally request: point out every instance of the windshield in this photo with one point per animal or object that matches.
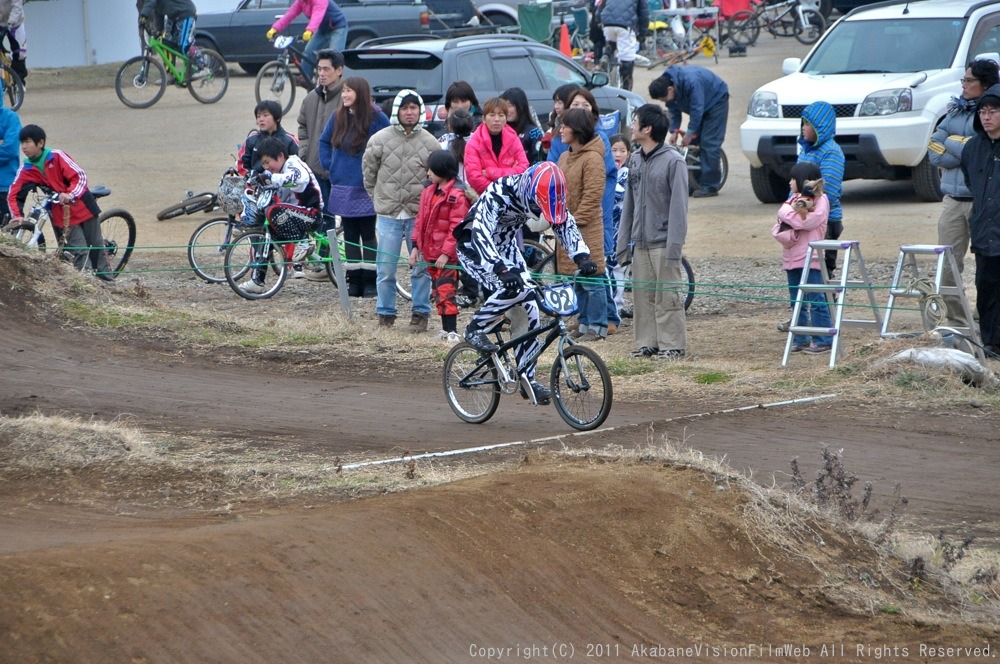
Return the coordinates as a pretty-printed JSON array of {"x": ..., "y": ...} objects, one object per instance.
[{"x": 892, "y": 46}]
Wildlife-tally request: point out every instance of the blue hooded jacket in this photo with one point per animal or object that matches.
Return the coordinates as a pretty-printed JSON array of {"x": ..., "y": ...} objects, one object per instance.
[
  {"x": 825, "y": 153},
  {"x": 10, "y": 149}
]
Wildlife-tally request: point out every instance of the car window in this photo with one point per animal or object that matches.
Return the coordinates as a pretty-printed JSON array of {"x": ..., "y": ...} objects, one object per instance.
[
  {"x": 269, "y": 4},
  {"x": 557, "y": 71},
  {"x": 389, "y": 72},
  {"x": 475, "y": 69},
  {"x": 516, "y": 72},
  {"x": 887, "y": 46},
  {"x": 986, "y": 39}
]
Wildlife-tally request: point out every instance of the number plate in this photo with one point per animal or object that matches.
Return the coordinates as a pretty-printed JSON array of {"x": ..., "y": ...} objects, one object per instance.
[
  {"x": 559, "y": 299},
  {"x": 283, "y": 41}
]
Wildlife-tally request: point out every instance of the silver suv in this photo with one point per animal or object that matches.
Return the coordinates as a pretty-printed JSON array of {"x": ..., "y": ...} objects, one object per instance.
[{"x": 889, "y": 70}]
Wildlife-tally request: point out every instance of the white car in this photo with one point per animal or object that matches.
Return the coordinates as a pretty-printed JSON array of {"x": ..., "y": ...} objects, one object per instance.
[{"x": 889, "y": 71}]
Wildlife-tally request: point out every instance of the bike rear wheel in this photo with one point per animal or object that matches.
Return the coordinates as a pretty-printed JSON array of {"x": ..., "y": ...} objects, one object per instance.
[
  {"x": 141, "y": 82},
  {"x": 744, "y": 28},
  {"x": 815, "y": 26},
  {"x": 581, "y": 388},
  {"x": 693, "y": 162},
  {"x": 118, "y": 231},
  {"x": 276, "y": 81},
  {"x": 471, "y": 384},
  {"x": 207, "y": 247},
  {"x": 209, "y": 84},
  {"x": 242, "y": 257},
  {"x": 13, "y": 87},
  {"x": 203, "y": 201}
]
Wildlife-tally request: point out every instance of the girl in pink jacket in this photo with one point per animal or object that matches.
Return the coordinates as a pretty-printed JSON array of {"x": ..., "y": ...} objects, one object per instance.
[
  {"x": 494, "y": 150},
  {"x": 801, "y": 220}
]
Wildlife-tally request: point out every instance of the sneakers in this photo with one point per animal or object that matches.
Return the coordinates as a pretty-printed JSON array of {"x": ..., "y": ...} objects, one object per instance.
[
  {"x": 645, "y": 351},
  {"x": 783, "y": 327},
  {"x": 478, "y": 340},
  {"x": 251, "y": 286},
  {"x": 386, "y": 321},
  {"x": 543, "y": 395},
  {"x": 449, "y": 337},
  {"x": 418, "y": 323},
  {"x": 298, "y": 272},
  {"x": 672, "y": 354},
  {"x": 316, "y": 275},
  {"x": 302, "y": 251},
  {"x": 465, "y": 301},
  {"x": 798, "y": 348},
  {"x": 704, "y": 192},
  {"x": 816, "y": 350},
  {"x": 590, "y": 337}
]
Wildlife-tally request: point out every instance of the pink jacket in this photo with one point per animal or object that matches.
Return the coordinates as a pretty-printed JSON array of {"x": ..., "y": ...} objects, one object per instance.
[
  {"x": 314, "y": 9},
  {"x": 799, "y": 232},
  {"x": 479, "y": 157}
]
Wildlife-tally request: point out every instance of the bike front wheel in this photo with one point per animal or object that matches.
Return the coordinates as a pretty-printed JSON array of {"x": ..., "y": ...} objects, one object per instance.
[
  {"x": 13, "y": 87},
  {"x": 203, "y": 201},
  {"x": 209, "y": 83},
  {"x": 471, "y": 384},
  {"x": 743, "y": 28},
  {"x": 581, "y": 388},
  {"x": 245, "y": 255},
  {"x": 693, "y": 162},
  {"x": 118, "y": 231},
  {"x": 206, "y": 250},
  {"x": 810, "y": 28},
  {"x": 141, "y": 82},
  {"x": 275, "y": 81}
]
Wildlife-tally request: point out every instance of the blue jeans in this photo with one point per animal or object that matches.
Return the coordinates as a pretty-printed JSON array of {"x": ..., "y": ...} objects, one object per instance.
[
  {"x": 335, "y": 39},
  {"x": 592, "y": 293},
  {"x": 390, "y": 234},
  {"x": 814, "y": 311},
  {"x": 713, "y": 133}
]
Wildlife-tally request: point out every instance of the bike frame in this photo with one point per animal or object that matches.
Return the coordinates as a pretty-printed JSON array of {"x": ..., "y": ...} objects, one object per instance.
[
  {"x": 291, "y": 53},
  {"x": 772, "y": 14},
  {"x": 167, "y": 56}
]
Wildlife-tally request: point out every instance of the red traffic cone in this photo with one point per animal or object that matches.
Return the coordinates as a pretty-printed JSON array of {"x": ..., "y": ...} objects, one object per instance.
[{"x": 564, "y": 46}]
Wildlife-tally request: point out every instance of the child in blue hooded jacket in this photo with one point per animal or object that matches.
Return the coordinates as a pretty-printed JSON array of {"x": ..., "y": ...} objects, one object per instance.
[{"x": 818, "y": 145}]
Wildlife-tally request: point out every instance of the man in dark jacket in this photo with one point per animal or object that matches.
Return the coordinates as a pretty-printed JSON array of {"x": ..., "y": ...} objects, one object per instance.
[
  {"x": 625, "y": 24},
  {"x": 705, "y": 98},
  {"x": 980, "y": 160},
  {"x": 316, "y": 110}
]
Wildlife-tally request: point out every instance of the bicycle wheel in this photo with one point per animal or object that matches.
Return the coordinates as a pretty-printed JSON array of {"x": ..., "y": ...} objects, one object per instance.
[
  {"x": 275, "y": 81},
  {"x": 206, "y": 250},
  {"x": 546, "y": 270},
  {"x": 118, "y": 231},
  {"x": 471, "y": 384},
  {"x": 744, "y": 28},
  {"x": 404, "y": 273},
  {"x": 242, "y": 258},
  {"x": 689, "y": 273},
  {"x": 13, "y": 87},
  {"x": 581, "y": 388},
  {"x": 693, "y": 161},
  {"x": 141, "y": 82},
  {"x": 209, "y": 83},
  {"x": 203, "y": 201},
  {"x": 815, "y": 26}
]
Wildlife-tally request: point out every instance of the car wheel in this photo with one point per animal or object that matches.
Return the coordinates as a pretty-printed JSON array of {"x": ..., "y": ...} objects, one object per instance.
[
  {"x": 927, "y": 181},
  {"x": 767, "y": 185},
  {"x": 251, "y": 67},
  {"x": 501, "y": 20}
]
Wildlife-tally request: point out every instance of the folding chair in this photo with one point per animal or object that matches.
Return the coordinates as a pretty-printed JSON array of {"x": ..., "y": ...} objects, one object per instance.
[{"x": 536, "y": 21}]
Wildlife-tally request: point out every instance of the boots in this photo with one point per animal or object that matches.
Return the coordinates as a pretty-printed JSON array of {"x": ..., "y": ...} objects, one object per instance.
[
  {"x": 368, "y": 279},
  {"x": 625, "y": 74},
  {"x": 355, "y": 285}
]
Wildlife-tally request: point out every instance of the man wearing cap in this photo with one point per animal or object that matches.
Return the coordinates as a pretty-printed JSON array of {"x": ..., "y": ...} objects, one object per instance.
[
  {"x": 981, "y": 168},
  {"x": 705, "y": 98}
]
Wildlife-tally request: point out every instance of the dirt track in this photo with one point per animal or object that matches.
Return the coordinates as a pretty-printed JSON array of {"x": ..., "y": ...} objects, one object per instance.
[{"x": 536, "y": 556}]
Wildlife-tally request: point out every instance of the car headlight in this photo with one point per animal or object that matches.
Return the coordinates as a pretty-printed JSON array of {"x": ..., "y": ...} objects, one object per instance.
[
  {"x": 763, "y": 105},
  {"x": 887, "y": 102}
]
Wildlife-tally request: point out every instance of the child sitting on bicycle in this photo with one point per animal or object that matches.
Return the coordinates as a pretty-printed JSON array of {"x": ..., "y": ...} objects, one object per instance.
[
  {"x": 75, "y": 217},
  {"x": 289, "y": 222},
  {"x": 177, "y": 20},
  {"x": 443, "y": 205}
]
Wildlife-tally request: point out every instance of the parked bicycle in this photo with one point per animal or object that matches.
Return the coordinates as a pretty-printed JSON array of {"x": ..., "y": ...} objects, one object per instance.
[
  {"x": 783, "y": 19},
  {"x": 275, "y": 80},
  {"x": 142, "y": 80},
  {"x": 692, "y": 158},
  {"x": 117, "y": 228},
  {"x": 13, "y": 85},
  {"x": 579, "y": 379}
]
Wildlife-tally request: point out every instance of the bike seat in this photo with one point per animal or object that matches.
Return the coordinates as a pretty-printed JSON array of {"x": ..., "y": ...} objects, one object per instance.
[{"x": 100, "y": 191}]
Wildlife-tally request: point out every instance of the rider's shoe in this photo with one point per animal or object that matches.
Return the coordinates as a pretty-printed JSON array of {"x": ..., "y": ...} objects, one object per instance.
[
  {"x": 478, "y": 340},
  {"x": 251, "y": 286},
  {"x": 303, "y": 249},
  {"x": 543, "y": 395}
]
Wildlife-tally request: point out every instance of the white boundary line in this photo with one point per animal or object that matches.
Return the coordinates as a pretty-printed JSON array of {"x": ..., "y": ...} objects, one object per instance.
[{"x": 536, "y": 441}]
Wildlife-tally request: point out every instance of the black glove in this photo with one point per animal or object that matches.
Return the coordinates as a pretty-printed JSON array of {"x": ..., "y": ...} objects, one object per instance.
[
  {"x": 588, "y": 267},
  {"x": 511, "y": 281}
]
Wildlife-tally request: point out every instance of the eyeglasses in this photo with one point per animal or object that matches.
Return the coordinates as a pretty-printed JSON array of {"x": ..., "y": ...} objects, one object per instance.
[
  {"x": 969, "y": 81},
  {"x": 988, "y": 112}
]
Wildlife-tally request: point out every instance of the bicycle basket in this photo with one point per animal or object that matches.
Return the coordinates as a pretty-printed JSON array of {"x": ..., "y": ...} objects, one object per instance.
[
  {"x": 558, "y": 300},
  {"x": 231, "y": 194}
]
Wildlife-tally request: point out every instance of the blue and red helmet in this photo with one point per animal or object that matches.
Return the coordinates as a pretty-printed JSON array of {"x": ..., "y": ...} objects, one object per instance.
[{"x": 547, "y": 190}]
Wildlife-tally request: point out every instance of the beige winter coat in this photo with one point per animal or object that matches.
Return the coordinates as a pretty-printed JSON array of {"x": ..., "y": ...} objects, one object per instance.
[
  {"x": 395, "y": 167},
  {"x": 585, "y": 171}
]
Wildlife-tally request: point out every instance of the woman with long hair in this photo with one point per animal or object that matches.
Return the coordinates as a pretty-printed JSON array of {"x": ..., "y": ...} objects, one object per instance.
[
  {"x": 341, "y": 147},
  {"x": 521, "y": 118}
]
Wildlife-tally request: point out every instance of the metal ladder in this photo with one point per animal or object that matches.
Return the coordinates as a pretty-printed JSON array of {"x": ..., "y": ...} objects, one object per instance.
[
  {"x": 932, "y": 298},
  {"x": 836, "y": 292}
]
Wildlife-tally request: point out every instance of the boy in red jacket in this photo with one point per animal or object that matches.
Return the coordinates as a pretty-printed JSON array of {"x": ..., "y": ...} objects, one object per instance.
[
  {"x": 56, "y": 171},
  {"x": 443, "y": 205}
]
